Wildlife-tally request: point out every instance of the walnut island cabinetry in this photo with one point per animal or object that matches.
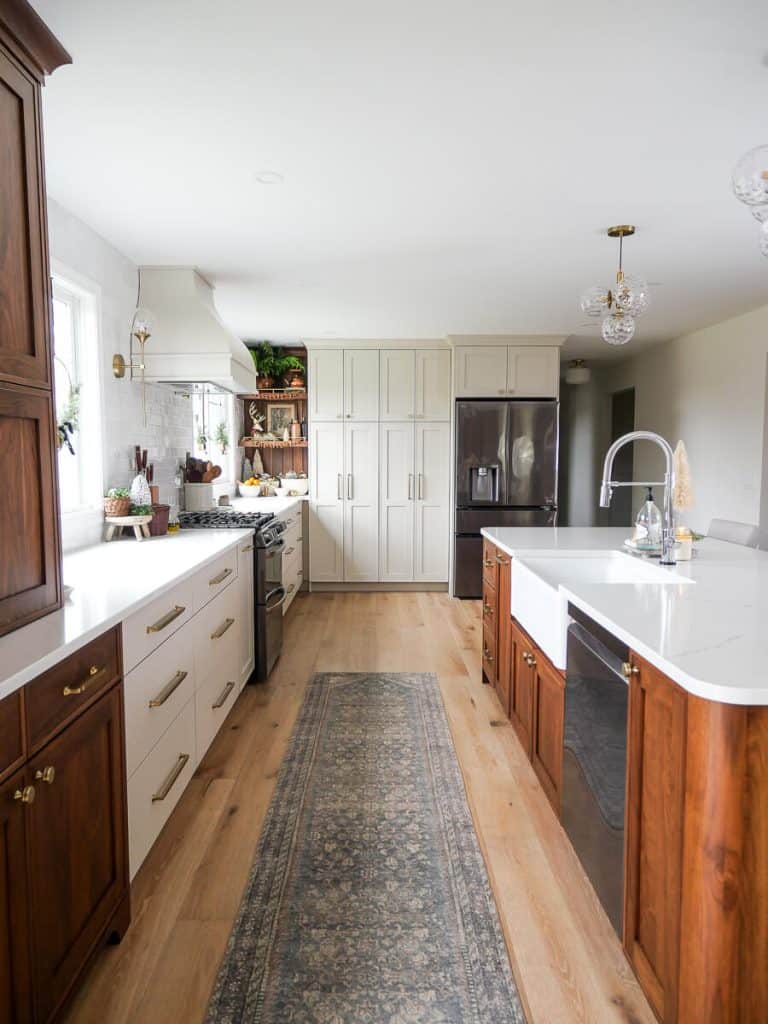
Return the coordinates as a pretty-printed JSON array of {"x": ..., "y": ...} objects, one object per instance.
[{"x": 696, "y": 819}]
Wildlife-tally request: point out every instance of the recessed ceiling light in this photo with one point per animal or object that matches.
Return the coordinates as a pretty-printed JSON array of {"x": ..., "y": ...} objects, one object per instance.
[{"x": 268, "y": 177}]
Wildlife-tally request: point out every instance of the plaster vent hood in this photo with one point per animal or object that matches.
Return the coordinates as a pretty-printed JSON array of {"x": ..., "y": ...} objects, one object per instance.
[{"x": 190, "y": 348}]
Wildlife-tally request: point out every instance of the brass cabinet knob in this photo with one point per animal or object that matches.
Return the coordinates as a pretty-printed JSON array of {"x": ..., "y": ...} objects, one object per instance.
[
  {"x": 487, "y": 655},
  {"x": 47, "y": 774},
  {"x": 25, "y": 795},
  {"x": 487, "y": 608},
  {"x": 500, "y": 560},
  {"x": 488, "y": 563},
  {"x": 628, "y": 669}
]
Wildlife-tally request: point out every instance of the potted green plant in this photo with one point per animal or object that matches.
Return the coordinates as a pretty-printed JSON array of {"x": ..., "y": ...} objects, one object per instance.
[
  {"x": 222, "y": 437},
  {"x": 292, "y": 371},
  {"x": 267, "y": 363}
]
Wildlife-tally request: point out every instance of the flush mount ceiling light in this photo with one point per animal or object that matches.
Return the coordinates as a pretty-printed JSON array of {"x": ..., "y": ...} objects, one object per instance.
[
  {"x": 750, "y": 186},
  {"x": 268, "y": 177},
  {"x": 577, "y": 372},
  {"x": 618, "y": 306}
]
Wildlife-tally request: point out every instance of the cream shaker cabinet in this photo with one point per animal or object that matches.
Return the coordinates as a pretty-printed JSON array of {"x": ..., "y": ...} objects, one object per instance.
[
  {"x": 505, "y": 371},
  {"x": 415, "y": 385},
  {"x": 326, "y": 496},
  {"x": 343, "y": 384}
]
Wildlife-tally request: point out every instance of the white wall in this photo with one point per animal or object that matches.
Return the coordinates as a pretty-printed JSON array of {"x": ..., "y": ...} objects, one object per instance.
[
  {"x": 707, "y": 388},
  {"x": 76, "y": 248}
]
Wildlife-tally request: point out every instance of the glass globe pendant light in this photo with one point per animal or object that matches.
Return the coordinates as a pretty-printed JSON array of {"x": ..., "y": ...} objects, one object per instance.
[
  {"x": 620, "y": 306},
  {"x": 750, "y": 186}
]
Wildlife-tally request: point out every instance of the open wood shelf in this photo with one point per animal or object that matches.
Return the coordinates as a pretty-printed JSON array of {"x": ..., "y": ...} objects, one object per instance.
[
  {"x": 275, "y": 395},
  {"x": 249, "y": 442}
]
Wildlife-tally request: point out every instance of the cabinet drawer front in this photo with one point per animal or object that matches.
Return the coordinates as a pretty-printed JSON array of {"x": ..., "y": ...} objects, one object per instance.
[
  {"x": 214, "y": 578},
  {"x": 152, "y": 625},
  {"x": 490, "y": 565},
  {"x": 489, "y": 653},
  {"x": 214, "y": 699},
  {"x": 293, "y": 577},
  {"x": 57, "y": 695},
  {"x": 217, "y": 635},
  {"x": 11, "y": 732},
  {"x": 156, "y": 691},
  {"x": 490, "y": 605},
  {"x": 155, "y": 788}
]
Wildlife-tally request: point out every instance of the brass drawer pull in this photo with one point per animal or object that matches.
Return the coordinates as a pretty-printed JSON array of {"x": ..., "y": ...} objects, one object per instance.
[
  {"x": 168, "y": 689},
  {"x": 299, "y": 540},
  {"x": 488, "y": 563},
  {"x": 167, "y": 786},
  {"x": 25, "y": 795},
  {"x": 487, "y": 608},
  {"x": 220, "y": 578},
  {"x": 487, "y": 655},
  {"x": 94, "y": 674},
  {"x": 166, "y": 620},
  {"x": 529, "y": 659},
  {"x": 290, "y": 551},
  {"x": 628, "y": 669},
  {"x": 248, "y": 548},
  {"x": 223, "y": 697},
  {"x": 46, "y": 775},
  {"x": 500, "y": 560},
  {"x": 219, "y": 633},
  {"x": 291, "y": 588}
]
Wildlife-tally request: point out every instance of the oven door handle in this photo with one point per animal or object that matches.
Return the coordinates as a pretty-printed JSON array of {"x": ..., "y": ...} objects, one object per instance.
[
  {"x": 278, "y": 590},
  {"x": 275, "y": 546}
]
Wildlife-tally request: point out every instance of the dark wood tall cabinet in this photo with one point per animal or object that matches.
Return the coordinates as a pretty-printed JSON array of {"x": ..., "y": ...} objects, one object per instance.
[{"x": 30, "y": 557}]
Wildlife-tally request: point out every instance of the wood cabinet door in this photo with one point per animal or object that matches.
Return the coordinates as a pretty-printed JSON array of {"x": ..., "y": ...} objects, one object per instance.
[
  {"x": 481, "y": 371},
  {"x": 504, "y": 632},
  {"x": 78, "y": 867},
  {"x": 432, "y": 512},
  {"x": 326, "y": 503},
  {"x": 548, "y": 723},
  {"x": 396, "y": 369},
  {"x": 433, "y": 384},
  {"x": 24, "y": 288},
  {"x": 521, "y": 687},
  {"x": 326, "y": 384},
  {"x": 396, "y": 502},
  {"x": 15, "y": 992},
  {"x": 654, "y": 833},
  {"x": 361, "y": 384},
  {"x": 29, "y": 521},
  {"x": 533, "y": 372},
  {"x": 361, "y": 502}
]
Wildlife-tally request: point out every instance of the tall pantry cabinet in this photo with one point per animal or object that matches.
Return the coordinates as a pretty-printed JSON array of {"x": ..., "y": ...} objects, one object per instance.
[
  {"x": 379, "y": 465},
  {"x": 30, "y": 572}
]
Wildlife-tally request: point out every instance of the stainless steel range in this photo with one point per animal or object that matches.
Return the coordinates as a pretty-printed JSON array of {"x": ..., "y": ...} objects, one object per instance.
[{"x": 268, "y": 591}]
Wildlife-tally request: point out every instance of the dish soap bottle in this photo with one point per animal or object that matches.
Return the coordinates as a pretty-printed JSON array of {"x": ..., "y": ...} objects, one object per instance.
[{"x": 648, "y": 522}]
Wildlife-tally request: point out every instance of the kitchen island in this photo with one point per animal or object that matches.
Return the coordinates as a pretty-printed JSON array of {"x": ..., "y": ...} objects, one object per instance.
[{"x": 695, "y": 901}]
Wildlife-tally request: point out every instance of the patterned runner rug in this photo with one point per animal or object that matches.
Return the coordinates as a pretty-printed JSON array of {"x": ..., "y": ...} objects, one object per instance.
[{"x": 368, "y": 901}]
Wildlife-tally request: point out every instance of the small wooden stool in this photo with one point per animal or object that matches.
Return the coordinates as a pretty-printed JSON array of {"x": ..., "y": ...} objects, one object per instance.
[{"x": 140, "y": 526}]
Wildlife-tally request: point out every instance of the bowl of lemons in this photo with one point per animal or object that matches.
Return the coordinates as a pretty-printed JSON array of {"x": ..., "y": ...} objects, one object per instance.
[{"x": 249, "y": 488}]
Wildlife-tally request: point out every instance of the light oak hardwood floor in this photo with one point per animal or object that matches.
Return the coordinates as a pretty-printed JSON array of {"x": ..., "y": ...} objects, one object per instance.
[{"x": 567, "y": 960}]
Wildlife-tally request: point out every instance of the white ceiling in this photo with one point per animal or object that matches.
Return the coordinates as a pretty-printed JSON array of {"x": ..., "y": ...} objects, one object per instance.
[{"x": 448, "y": 164}]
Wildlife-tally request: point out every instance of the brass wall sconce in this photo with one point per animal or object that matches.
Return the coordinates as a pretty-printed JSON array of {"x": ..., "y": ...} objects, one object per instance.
[{"x": 141, "y": 330}]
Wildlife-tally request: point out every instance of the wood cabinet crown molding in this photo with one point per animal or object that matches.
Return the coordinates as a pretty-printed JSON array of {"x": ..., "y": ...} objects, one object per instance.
[{"x": 31, "y": 37}]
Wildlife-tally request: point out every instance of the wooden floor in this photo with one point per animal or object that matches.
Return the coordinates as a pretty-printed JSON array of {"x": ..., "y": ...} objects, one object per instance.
[{"x": 567, "y": 960}]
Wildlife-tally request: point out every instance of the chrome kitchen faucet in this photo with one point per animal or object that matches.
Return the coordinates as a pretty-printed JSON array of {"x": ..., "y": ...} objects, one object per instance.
[{"x": 607, "y": 486}]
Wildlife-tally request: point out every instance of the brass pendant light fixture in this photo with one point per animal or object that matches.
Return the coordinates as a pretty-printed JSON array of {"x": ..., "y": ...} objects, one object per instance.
[{"x": 620, "y": 305}]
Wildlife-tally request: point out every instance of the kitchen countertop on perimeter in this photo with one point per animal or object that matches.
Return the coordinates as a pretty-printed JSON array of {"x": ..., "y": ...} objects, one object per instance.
[
  {"x": 278, "y": 506},
  {"x": 110, "y": 581},
  {"x": 710, "y": 637}
]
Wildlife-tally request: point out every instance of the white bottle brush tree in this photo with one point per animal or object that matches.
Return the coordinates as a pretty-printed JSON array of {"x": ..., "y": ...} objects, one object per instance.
[{"x": 682, "y": 494}]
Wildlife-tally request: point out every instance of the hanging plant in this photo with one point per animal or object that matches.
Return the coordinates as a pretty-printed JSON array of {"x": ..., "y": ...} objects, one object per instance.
[
  {"x": 68, "y": 420},
  {"x": 202, "y": 441},
  {"x": 222, "y": 437}
]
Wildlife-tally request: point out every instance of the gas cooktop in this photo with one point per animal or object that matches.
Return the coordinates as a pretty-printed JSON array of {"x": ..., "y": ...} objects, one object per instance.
[{"x": 224, "y": 518}]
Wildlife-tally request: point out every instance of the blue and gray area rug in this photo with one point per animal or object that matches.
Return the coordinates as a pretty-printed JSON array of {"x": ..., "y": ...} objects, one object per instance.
[{"x": 368, "y": 902}]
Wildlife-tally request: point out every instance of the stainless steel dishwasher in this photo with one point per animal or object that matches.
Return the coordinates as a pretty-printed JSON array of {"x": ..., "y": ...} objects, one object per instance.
[{"x": 595, "y": 757}]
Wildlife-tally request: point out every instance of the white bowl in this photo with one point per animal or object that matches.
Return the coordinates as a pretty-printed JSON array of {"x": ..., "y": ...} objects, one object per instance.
[
  {"x": 248, "y": 490},
  {"x": 298, "y": 484}
]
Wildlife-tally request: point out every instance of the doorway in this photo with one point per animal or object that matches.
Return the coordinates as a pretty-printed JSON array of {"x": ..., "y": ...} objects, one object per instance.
[{"x": 622, "y": 422}]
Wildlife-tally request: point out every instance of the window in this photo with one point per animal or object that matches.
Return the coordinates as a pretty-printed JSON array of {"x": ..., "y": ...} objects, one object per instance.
[
  {"x": 76, "y": 379},
  {"x": 215, "y": 441}
]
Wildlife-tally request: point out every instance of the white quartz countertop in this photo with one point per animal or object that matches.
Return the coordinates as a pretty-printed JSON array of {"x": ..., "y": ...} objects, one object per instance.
[
  {"x": 711, "y": 636},
  {"x": 278, "y": 506},
  {"x": 110, "y": 581}
]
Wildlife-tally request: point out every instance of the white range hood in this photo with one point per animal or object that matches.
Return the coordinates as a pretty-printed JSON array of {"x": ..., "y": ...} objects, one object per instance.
[{"x": 190, "y": 348}]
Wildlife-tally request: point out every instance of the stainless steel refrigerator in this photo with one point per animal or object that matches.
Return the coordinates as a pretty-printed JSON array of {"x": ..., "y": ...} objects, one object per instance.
[{"x": 506, "y": 475}]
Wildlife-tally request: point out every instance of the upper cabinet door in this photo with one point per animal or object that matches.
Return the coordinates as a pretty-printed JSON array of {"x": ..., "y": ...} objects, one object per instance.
[
  {"x": 326, "y": 384},
  {"x": 396, "y": 384},
  {"x": 433, "y": 384},
  {"x": 481, "y": 371},
  {"x": 361, "y": 384},
  {"x": 24, "y": 287},
  {"x": 533, "y": 372}
]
